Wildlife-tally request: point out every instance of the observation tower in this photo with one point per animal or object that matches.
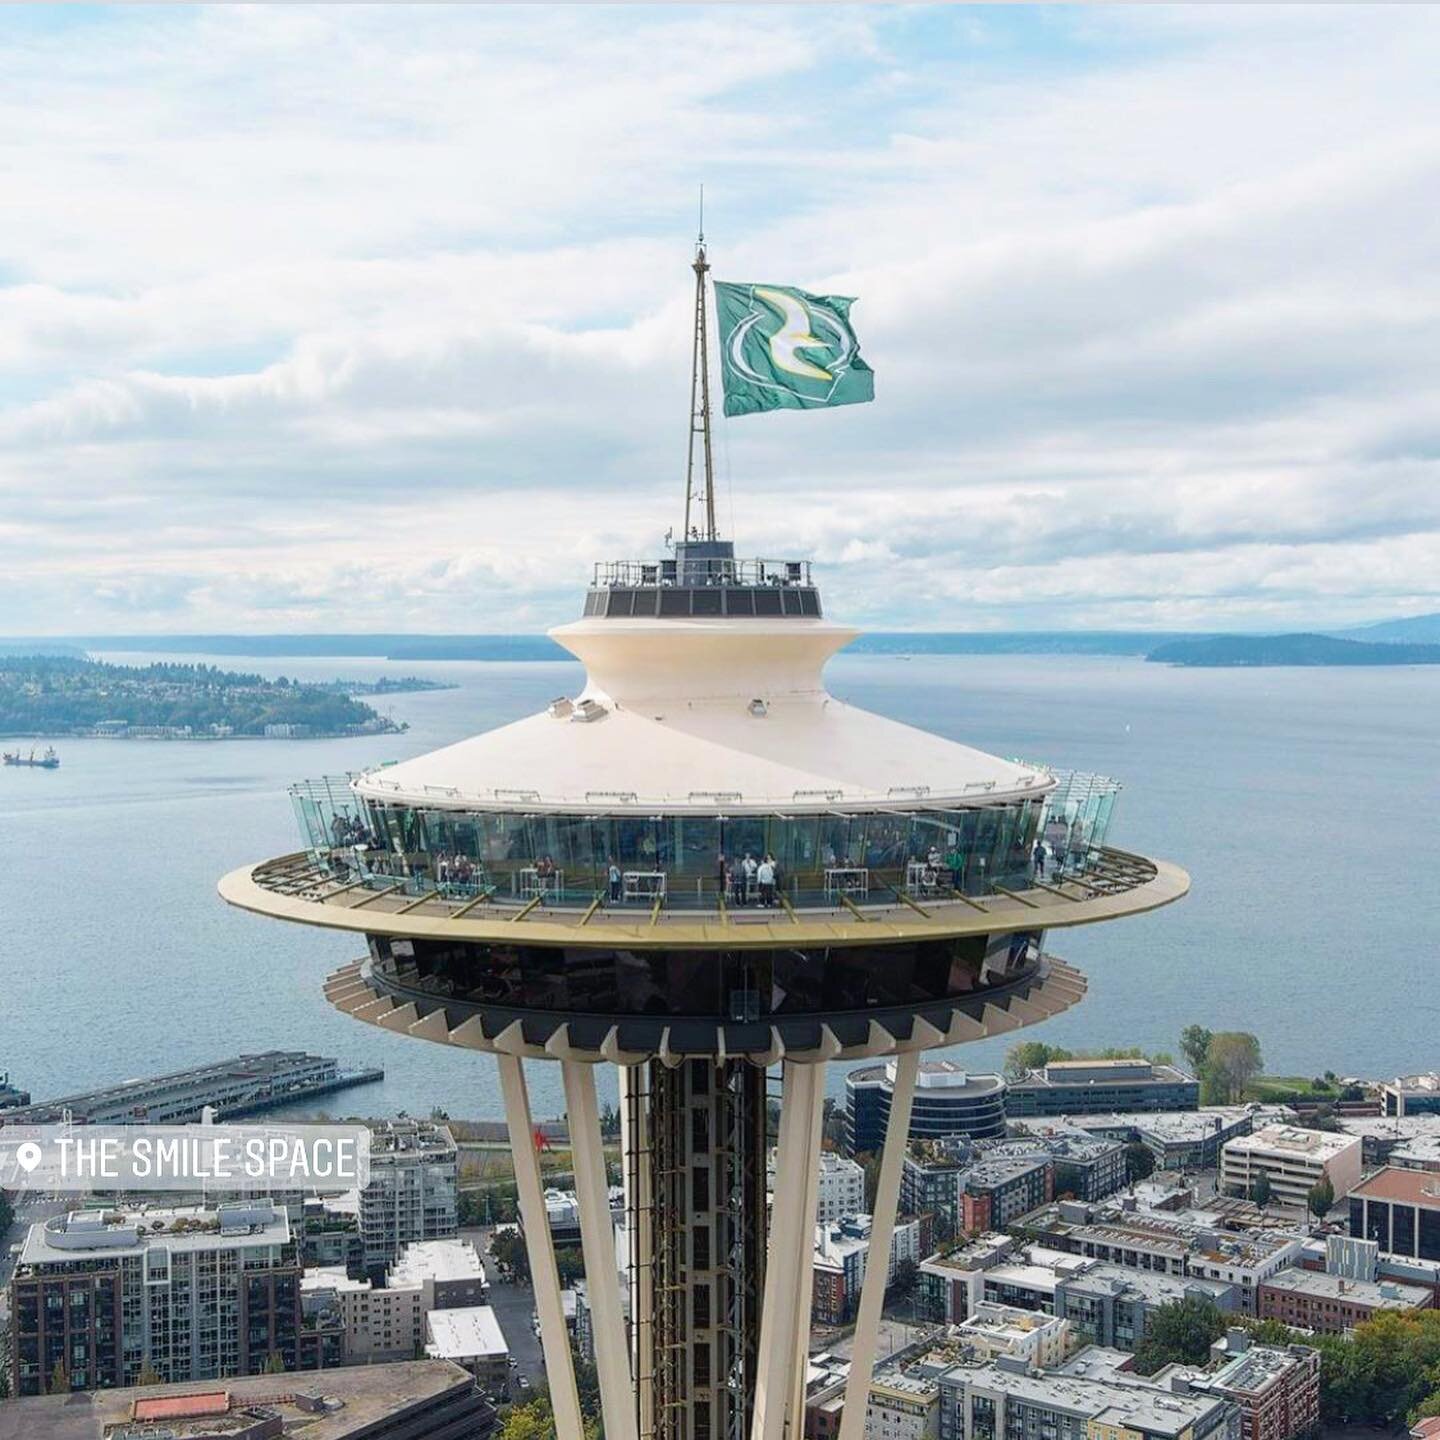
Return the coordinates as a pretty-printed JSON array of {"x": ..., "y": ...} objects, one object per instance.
[{"x": 574, "y": 889}]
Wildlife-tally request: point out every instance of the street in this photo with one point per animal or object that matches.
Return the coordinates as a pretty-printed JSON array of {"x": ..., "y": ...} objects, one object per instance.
[{"x": 512, "y": 1305}]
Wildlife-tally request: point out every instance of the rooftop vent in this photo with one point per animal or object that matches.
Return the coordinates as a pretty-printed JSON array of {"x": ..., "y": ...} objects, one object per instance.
[
  {"x": 759, "y": 709},
  {"x": 561, "y": 707},
  {"x": 587, "y": 711}
]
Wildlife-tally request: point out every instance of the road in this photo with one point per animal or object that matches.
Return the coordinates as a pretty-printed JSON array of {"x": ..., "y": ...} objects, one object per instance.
[{"x": 513, "y": 1305}]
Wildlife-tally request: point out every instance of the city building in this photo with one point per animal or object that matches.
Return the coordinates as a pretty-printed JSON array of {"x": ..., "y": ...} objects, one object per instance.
[
  {"x": 951, "y": 1286},
  {"x": 107, "y": 1296},
  {"x": 840, "y": 1187},
  {"x": 562, "y": 1217},
  {"x": 998, "y": 1191},
  {"x": 1277, "y": 1388},
  {"x": 1111, "y": 1306},
  {"x": 1196, "y": 1244},
  {"x": 1293, "y": 1160},
  {"x": 418, "y": 1400},
  {"x": 552, "y": 890},
  {"x": 1101, "y": 1087},
  {"x": 328, "y": 1231},
  {"x": 375, "y": 1322},
  {"x": 931, "y": 1177},
  {"x": 1180, "y": 1140},
  {"x": 842, "y": 1257},
  {"x": 949, "y": 1101},
  {"x": 1332, "y": 1304},
  {"x": 1009, "y": 1399},
  {"x": 994, "y": 1330},
  {"x": 470, "y": 1336},
  {"x": 902, "y": 1407},
  {"x": 449, "y": 1273},
  {"x": 1411, "y": 1095},
  {"x": 1410, "y": 1141},
  {"x": 414, "y": 1168},
  {"x": 1400, "y": 1211},
  {"x": 242, "y": 1085}
]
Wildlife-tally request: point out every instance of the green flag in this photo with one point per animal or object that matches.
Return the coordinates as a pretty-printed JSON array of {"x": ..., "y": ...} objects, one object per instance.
[{"x": 783, "y": 349}]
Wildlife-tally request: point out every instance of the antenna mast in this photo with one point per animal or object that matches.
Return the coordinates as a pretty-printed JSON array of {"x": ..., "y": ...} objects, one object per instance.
[{"x": 700, "y": 402}]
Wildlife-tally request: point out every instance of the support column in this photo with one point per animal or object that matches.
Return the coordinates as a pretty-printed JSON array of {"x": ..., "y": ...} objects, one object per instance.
[
  {"x": 597, "y": 1240},
  {"x": 554, "y": 1339},
  {"x": 639, "y": 1216},
  {"x": 877, "y": 1263},
  {"x": 784, "y": 1308}
]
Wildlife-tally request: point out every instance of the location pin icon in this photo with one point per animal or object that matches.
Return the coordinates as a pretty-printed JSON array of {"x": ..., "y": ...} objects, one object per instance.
[{"x": 27, "y": 1156}]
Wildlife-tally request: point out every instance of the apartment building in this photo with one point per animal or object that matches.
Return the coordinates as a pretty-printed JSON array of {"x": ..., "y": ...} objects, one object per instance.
[
  {"x": 1276, "y": 1387},
  {"x": 1293, "y": 1160},
  {"x": 414, "y": 1167},
  {"x": 102, "y": 1297},
  {"x": 1332, "y": 1304},
  {"x": 902, "y": 1407}
]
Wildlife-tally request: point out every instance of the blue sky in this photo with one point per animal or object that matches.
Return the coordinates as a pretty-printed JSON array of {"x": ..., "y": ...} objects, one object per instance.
[{"x": 376, "y": 318}]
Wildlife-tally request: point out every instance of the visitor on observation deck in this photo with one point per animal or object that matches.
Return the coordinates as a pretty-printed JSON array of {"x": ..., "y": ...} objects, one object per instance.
[
  {"x": 613, "y": 876},
  {"x": 765, "y": 878},
  {"x": 751, "y": 871}
]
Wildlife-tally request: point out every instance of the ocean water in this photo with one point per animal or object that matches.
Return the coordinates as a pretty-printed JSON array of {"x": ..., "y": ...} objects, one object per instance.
[{"x": 1305, "y": 803}]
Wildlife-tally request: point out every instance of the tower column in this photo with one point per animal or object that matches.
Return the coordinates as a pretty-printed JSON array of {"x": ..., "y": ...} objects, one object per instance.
[
  {"x": 882, "y": 1232},
  {"x": 597, "y": 1240},
  {"x": 635, "y": 1145},
  {"x": 785, "y": 1307},
  {"x": 544, "y": 1273}
]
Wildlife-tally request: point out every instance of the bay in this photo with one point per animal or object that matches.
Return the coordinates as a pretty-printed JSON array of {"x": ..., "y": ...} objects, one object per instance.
[{"x": 1304, "y": 803}]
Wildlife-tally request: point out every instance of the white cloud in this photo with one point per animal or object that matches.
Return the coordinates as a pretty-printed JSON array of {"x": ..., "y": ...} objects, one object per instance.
[{"x": 377, "y": 318}]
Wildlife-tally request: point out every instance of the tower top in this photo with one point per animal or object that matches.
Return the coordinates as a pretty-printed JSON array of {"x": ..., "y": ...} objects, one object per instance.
[{"x": 700, "y": 491}]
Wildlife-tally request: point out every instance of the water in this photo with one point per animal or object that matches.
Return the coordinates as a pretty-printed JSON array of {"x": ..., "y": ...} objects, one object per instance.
[{"x": 1303, "y": 802}]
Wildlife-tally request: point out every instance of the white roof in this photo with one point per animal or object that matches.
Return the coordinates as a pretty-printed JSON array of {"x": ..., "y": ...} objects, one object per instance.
[
  {"x": 469, "y": 1333},
  {"x": 442, "y": 1260},
  {"x": 674, "y": 725}
]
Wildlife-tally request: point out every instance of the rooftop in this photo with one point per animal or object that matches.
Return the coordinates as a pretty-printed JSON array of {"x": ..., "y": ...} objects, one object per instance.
[
  {"x": 1379, "y": 1294},
  {"x": 1104, "y": 1072},
  {"x": 944, "y": 1075},
  {"x": 468, "y": 1333},
  {"x": 367, "y": 1395},
  {"x": 1318, "y": 1145},
  {"x": 1414, "y": 1187},
  {"x": 1128, "y": 1403},
  {"x": 83, "y": 1235},
  {"x": 441, "y": 1260}
]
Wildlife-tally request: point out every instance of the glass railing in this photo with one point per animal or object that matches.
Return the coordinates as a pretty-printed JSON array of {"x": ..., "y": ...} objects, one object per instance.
[{"x": 828, "y": 860}]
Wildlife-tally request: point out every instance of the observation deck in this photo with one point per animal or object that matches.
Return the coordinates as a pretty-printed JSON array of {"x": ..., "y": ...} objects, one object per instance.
[{"x": 703, "y": 580}]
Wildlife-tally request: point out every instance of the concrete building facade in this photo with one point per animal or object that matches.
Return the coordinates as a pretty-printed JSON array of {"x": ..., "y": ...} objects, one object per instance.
[
  {"x": 1101, "y": 1087},
  {"x": 1293, "y": 1160}
]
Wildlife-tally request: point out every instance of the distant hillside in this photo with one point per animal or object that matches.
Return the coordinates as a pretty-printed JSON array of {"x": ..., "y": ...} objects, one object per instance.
[
  {"x": 1261, "y": 650},
  {"x": 1414, "y": 629},
  {"x": 541, "y": 647}
]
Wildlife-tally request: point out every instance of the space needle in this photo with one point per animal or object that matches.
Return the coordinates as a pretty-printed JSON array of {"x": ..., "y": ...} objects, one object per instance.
[{"x": 707, "y": 871}]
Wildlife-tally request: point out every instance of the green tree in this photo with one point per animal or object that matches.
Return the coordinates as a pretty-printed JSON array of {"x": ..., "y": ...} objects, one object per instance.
[
  {"x": 148, "y": 1375},
  {"x": 59, "y": 1379},
  {"x": 1195, "y": 1046},
  {"x": 1031, "y": 1055},
  {"x": 1181, "y": 1333},
  {"x": 509, "y": 1251},
  {"x": 1321, "y": 1197},
  {"x": 275, "y": 1365},
  {"x": 906, "y": 1274},
  {"x": 1233, "y": 1059},
  {"x": 1139, "y": 1162},
  {"x": 570, "y": 1262},
  {"x": 1260, "y": 1189},
  {"x": 531, "y": 1421}
]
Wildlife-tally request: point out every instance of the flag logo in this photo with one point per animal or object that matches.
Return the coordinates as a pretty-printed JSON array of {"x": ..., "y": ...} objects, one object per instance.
[{"x": 784, "y": 349}]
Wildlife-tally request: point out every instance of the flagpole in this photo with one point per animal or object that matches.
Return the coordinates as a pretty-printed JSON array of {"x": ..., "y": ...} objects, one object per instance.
[{"x": 700, "y": 400}]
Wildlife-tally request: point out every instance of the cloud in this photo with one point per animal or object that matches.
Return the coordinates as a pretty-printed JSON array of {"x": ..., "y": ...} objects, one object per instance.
[{"x": 368, "y": 318}]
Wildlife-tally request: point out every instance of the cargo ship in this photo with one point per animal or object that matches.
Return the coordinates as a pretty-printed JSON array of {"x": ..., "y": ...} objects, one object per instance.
[{"x": 48, "y": 761}]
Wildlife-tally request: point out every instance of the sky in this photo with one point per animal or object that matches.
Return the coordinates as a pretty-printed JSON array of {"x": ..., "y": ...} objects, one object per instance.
[{"x": 362, "y": 319}]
